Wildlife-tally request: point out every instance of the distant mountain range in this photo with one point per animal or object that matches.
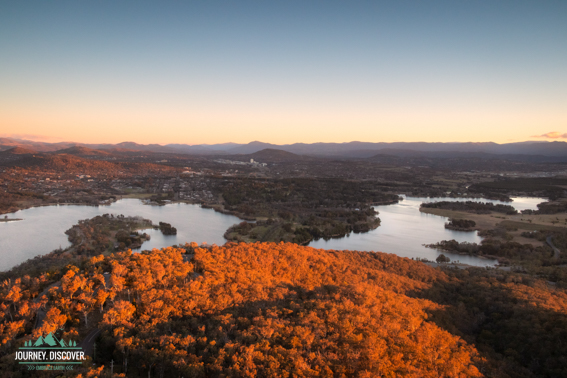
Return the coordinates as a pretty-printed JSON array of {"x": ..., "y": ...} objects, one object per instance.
[
  {"x": 537, "y": 150},
  {"x": 272, "y": 155}
]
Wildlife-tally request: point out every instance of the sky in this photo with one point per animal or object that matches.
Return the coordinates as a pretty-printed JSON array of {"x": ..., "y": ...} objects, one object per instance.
[{"x": 204, "y": 72}]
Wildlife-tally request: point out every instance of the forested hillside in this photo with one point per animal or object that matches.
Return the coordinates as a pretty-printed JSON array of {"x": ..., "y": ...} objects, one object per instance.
[{"x": 282, "y": 310}]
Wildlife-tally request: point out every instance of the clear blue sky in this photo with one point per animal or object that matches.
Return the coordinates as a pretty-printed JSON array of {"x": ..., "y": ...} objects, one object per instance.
[{"x": 283, "y": 72}]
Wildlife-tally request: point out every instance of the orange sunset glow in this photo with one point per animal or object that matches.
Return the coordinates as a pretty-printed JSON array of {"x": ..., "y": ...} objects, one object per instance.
[{"x": 234, "y": 84}]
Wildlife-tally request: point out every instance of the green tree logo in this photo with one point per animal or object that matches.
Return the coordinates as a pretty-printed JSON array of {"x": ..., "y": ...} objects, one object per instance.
[{"x": 50, "y": 341}]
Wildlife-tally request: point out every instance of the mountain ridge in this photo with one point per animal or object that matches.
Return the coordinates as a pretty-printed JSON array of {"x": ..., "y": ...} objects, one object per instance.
[{"x": 353, "y": 149}]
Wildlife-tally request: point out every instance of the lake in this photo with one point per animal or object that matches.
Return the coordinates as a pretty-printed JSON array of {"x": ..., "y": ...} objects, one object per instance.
[
  {"x": 43, "y": 228},
  {"x": 403, "y": 229}
]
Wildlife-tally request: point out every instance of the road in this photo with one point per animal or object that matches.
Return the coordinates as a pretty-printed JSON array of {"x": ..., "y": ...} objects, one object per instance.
[
  {"x": 555, "y": 249},
  {"x": 88, "y": 342},
  {"x": 40, "y": 315}
]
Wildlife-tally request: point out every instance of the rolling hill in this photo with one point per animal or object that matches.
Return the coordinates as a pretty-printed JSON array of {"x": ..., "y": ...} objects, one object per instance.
[
  {"x": 272, "y": 155},
  {"x": 280, "y": 310},
  {"x": 18, "y": 151},
  {"x": 540, "y": 151},
  {"x": 82, "y": 151}
]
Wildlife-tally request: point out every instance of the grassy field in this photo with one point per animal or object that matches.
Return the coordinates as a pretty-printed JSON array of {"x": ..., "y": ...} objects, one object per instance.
[
  {"x": 483, "y": 221},
  {"x": 526, "y": 222},
  {"x": 138, "y": 195},
  {"x": 516, "y": 224},
  {"x": 509, "y": 224}
]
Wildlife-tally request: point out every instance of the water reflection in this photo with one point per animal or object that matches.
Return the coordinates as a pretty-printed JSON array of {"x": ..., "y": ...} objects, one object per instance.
[
  {"x": 404, "y": 229},
  {"x": 42, "y": 228}
]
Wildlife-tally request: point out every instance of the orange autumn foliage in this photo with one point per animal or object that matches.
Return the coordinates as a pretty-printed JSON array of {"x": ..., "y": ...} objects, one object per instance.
[
  {"x": 282, "y": 310},
  {"x": 274, "y": 310}
]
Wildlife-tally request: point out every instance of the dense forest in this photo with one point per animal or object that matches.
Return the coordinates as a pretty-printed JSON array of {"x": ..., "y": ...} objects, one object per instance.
[
  {"x": 460, "y": 224},
  {"x": 282, "y": 310},
  {"x": 301, "y": 209},
  {"x": 548, "y": 208},
  {"x": 471, "y": 207},
  {"x": 551, "y": 187}
]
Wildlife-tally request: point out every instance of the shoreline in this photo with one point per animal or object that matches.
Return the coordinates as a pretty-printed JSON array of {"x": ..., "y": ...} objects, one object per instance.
[
  {"x": 452, "y": 265},
  {"x": 56, "y": 204}
]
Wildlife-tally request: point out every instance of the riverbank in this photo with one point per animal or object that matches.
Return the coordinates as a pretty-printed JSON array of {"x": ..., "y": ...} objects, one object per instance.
[
  {"x": 32, "y": 204},
  {"x": 513, "y": 225},
  {"x": 462, "y": 266},
  {"x": 43, "y": 228},
  {"x": 403, "y": 228}
]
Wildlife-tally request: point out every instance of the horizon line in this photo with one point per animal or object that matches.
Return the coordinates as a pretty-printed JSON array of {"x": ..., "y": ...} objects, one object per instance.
[{"x": 257, "y": 141}]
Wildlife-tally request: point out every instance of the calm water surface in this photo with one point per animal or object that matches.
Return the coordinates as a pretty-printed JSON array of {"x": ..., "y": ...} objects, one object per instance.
[
  {"x": 403, "y": 229},
  {"x": 43, "y": 228}
]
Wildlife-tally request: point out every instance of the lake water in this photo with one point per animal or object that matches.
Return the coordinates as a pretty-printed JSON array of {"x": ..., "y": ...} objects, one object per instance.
[
  {"x": 403, "y": 229},
  {"x": 43, "y": 228}
]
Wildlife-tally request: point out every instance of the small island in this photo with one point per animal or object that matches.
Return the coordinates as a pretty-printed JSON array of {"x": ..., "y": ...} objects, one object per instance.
[
  {"x": 108, "y": 233},
  {"x": 167, "y": 229},
  {"x": 460, "y": 225},
  {"x": 471, "y": 207}
]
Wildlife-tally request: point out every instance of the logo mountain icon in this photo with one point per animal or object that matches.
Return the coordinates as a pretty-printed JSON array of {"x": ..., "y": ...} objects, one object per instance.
[
  {"x": 39, "y": 341},
  {"x": 50, "y": 340}
]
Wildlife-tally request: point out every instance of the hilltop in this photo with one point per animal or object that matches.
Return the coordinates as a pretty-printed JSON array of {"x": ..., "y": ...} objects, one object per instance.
[
  {"x": 80, "y": 150},
  {"x": 259, "y": 310},
  {"x": 273, "y": 155},
  {"x": 280, "y": 310},
  {"x": 18, "y": 151},
  {"x": 72, "y": 163},
  {"x": 61, "y": 162}
]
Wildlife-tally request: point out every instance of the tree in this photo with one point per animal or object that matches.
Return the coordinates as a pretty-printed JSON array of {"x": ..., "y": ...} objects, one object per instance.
[
  {"x": 101, "y": 296},
  {"x": 52, "y": 322},
  {"x": 119, "y": 314}
]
